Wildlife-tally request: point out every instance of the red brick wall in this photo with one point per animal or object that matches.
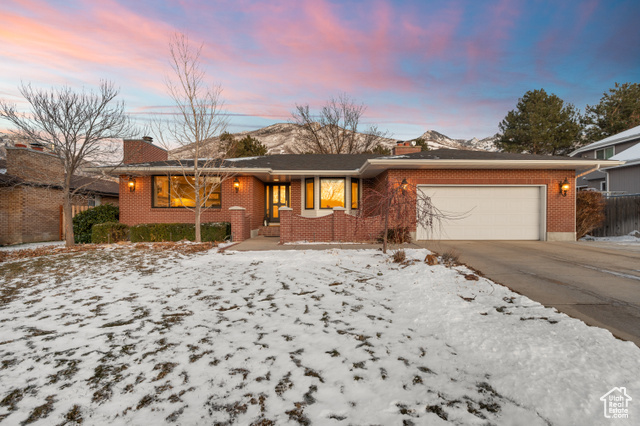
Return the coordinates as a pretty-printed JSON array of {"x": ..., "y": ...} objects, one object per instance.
[
  {"x": 29, "y": 214},
  {"x": 135, "y": 207},
  {"x": 258, "y": 210},
  {"x": 296, "y": 196},
  {"x": 141, "y": 151},
  {"x": 10, "y": 215},
  {"x": 342, "y": 227},
  {"x": 34, "y": 166},
  {"x": 560, "y": 210},
  {"x": 405, "y": 149},
  {"x": 337, "y": 226},
  {"x": 240, "y": 224}
]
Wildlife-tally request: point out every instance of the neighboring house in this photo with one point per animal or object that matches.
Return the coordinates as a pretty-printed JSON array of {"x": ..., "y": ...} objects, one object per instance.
[
  {"x": 31, "y": 198},
  {"x": 620, "y": 179},
  {"x": 318, "y": 197}
]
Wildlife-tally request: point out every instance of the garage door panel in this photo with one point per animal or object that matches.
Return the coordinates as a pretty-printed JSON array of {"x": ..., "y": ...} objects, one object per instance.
[{"x": 486, "y": 212}]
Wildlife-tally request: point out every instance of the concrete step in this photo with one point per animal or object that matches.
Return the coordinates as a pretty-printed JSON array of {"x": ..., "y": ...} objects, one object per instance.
[{"x": 269, "y": 231}]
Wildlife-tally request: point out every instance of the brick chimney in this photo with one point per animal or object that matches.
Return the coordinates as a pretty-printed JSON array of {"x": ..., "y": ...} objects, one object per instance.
[
  {"x": 405, "y": 148},
  {"x": 143, "y": 151}
]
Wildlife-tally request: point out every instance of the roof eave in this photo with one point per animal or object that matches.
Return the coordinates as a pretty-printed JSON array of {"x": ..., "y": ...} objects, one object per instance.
[
  {"x": 489, "y": 164},
  {"x": 626, "y": 164},
  {"x": 604, "y": 143},
  {"x": 150, "y": 170}
]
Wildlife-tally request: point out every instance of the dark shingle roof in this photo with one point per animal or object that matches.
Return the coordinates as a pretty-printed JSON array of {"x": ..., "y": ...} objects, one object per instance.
[
  {"x": 84, "y": 183},
  {"x": 307, "y": 161},
  {"x": 99, "y": 186},
  {"x": 329, "y": 162},
  {"x": 279, "y": 162}
]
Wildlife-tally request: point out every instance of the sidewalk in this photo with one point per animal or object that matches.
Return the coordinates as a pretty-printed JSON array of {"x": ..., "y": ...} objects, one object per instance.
[{"x": 262, "y": 243}]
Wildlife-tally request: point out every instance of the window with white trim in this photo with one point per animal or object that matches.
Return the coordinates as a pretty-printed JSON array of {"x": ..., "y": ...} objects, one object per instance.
[{"x": 605, "y": 153}]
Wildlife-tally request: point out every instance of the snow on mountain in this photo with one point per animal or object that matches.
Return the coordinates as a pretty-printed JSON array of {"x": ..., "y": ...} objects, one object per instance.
[
  {"x": 279, "y": 138},
  {"x": 436, "y": 140}
]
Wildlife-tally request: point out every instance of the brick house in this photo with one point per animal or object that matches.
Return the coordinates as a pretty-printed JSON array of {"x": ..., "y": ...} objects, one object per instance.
[
  {"x": 320, "y": 197},
  {"x": 31, "y": 198}
]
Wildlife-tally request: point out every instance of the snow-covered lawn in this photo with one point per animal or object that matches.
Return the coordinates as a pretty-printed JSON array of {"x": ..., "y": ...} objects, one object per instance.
[
  {"x": 128, "y": 335},
  {"x": 31, "y": 246}
]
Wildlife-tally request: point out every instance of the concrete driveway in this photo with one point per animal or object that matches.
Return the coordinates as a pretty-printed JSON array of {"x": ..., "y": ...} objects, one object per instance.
[{"x": 598, "y": 283}]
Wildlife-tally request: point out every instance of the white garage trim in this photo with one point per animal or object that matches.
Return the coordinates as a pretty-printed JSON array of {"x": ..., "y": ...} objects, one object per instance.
[{"x": 487, "y": 212}]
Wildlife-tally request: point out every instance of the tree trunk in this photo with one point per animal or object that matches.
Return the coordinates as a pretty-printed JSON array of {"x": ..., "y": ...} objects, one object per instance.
[
  {"x": 197, "y": 212},
  {"x": 68, "y": 219},
  {"x": 386, "y": 231}
]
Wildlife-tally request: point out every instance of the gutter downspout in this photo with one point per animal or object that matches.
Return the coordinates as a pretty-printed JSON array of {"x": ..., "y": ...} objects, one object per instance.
[{"x": 589, "y": 171}]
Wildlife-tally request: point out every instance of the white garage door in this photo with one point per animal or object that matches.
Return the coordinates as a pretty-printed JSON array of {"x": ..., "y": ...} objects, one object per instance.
[{"x": 485, "y": 213}]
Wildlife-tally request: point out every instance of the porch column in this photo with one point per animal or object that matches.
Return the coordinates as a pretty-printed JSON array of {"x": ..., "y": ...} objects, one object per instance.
[
  {"x": 286, "y": 224},
  {"x": 239, "y": 225}
]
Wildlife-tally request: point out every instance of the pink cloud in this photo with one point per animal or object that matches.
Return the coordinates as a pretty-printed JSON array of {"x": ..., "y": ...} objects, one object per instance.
[{"x": 103, "y": 38}]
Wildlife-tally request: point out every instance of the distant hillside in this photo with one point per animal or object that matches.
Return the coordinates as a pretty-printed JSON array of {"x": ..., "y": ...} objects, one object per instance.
[
  {"x": 280, "y": 137},
  {"x": 437, "y": 140}
]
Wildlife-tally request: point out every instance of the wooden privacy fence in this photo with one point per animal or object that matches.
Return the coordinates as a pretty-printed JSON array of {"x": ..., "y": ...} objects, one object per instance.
[
  {"x": 74, "y": 211},
  {"x": 622, "y": 216}
]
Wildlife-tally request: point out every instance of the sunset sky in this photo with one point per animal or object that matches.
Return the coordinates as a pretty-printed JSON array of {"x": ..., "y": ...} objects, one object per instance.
[{"x": 452, "y": 66}]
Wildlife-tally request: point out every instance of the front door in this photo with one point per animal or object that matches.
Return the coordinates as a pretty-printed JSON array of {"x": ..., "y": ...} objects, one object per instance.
[{"x": 277, "y": 195}]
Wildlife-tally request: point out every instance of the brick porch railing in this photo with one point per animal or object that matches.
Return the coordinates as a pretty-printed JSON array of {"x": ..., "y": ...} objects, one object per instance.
[{"x": 338, "y": 226}]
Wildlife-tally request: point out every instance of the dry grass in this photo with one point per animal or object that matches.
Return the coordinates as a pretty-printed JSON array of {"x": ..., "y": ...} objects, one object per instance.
[
  {"x": 399, "y": 256},
  {"x": 450, "y": 258}
]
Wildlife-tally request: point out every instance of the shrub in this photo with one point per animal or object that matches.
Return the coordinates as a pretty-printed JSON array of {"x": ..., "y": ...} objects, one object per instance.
[
  {"x": 109, "y": 232},
  {"x": 399, "y": 256},
  {"x": 397, "y": 235},
  {"x": 450, "y": 258},
  {"x": 589, "y": 212},
  {"x": 84, "y": 221},
  {"x": 156, "y": 232}
]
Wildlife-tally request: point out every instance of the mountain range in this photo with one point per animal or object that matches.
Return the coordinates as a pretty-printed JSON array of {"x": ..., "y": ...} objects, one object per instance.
[{"x": 279, "y": 138}]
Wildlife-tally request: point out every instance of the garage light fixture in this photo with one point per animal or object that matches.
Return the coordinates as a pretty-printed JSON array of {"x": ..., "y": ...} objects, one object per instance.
[
  {"x": 564, "y": 187},
  {"x": 132, "y": 184},
  {"x": 404, "y": 184},
  {"x": 236, "y": 184}
]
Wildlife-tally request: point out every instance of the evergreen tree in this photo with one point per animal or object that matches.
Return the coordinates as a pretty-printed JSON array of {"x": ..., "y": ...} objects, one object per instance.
[
  {"x": 618, "y": 110},
  {"x": 245, "y": 147},
  {"x": 379, "y": 149},
  {"x": 422, "y": 144},
  {"x": 541, "y": 124}
]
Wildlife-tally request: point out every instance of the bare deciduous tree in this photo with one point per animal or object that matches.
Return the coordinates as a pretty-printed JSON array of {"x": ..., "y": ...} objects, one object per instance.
[
  {"x": 76, "y": 127},
  {"x": 335, "y": 129},
  {"x": 197, "y": 120},
  {"x": 401, "y": 207}
]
